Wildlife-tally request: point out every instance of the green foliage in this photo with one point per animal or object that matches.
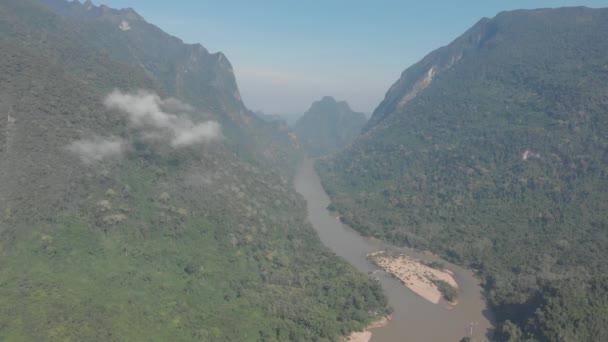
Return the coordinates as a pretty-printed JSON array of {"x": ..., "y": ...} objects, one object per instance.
[
  {"x": 499, "y": 164},
  {"x": 212, "y": 272},
  {"x": 573, "y": 310},
  {"x": 435, "y": 264},
  {"x": 447, "y": 291},
  {"x": 202, "y": 243},
  {"x": 75, "y": 282}
]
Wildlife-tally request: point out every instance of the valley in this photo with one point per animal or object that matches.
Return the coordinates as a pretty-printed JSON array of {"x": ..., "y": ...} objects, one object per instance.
[
  {"x": 414, "y": 318},
  {"x": 141, "y": 199}
]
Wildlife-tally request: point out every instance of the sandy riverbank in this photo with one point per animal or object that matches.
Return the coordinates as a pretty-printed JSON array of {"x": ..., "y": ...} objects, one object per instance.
[
  {"x": 415, "y": 275},
  {"x": 366, "y": 335}
]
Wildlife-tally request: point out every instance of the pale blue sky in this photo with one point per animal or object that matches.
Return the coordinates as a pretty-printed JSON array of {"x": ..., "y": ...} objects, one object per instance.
[{"x": 288, "y": 53}]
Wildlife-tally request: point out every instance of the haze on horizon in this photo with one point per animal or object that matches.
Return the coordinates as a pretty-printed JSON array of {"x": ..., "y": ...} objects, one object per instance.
[{"x": 288, "y": 54}]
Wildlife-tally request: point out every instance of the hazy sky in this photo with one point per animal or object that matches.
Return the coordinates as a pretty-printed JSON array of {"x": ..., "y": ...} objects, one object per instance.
[{"x": 288, "y": 53}]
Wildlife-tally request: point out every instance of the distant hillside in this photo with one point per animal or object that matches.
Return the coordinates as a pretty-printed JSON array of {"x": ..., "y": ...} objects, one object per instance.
[
  {"x": 289, "y": 119},
  {"x": 269, "y": 117},
  {"x": 493, "y": 152},
  {"x": 141, "y": 201},
  {"x": 186, "y": 71},
  {"x": 328, "y": 126}
]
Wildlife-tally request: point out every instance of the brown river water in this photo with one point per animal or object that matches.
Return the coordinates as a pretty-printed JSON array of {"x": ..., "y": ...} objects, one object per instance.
[{"x": 414, "y": 318}]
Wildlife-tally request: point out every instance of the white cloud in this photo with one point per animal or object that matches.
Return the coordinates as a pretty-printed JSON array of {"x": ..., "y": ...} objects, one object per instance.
[
  {"x": 97, "y": 149},
  {"x": 163, "y": 118},
  {"x": 190, "y": 135}
]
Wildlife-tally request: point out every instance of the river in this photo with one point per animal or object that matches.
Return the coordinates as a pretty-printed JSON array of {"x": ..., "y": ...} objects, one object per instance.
[{"x": 414, "y": 318}]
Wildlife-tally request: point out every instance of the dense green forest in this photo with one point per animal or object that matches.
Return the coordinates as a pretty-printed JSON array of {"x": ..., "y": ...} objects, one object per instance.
[
  {"x": 113, "y": 230},
  {"x": 492, "y": 151},
  {"x": 328, "y": 126}
]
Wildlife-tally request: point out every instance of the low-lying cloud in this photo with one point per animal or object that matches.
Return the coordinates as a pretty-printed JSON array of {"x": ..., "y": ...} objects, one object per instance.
[
  {"x": 97, "y": 149},
  {"x": 163, "y": 118}
]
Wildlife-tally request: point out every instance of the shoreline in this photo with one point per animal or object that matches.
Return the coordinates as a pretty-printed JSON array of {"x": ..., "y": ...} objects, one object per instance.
[
  {"x": 417, "y": 276},
  {"x": 355, "y": 248},
  {"x": 366, "y": 335}
]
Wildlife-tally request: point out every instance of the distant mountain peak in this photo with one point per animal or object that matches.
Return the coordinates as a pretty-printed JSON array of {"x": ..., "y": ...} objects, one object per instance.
[
  {"x": 131, "y": 14},
  {"x": 88, "y": 9},
  {"x": 328, "y": 126},
  {"x": 328, "y": 104},
  {"x": 192, "y": 64},
  {"x": 89, "y": 5}
]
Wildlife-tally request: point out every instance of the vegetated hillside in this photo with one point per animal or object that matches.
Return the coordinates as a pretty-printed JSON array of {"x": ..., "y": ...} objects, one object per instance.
[
  {"x": 493, "y": 151},
  {"x": 128, "y": 215},
  {"x": 328, "y": 126},
  {"x": 187, "y": 71}
]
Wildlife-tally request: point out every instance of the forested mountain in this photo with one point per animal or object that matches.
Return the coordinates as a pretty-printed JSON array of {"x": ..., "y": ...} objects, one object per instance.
[
  {"x": 493, "y": 152},
  {"x": 141, "y": 200},
  {"x": 186, "y": 71},
  {"x": 328, "y": 126}
]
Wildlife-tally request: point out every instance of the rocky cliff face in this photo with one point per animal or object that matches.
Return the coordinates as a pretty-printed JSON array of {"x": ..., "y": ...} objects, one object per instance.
[
  {"x": 418, "y": 77},
  {"x": 188, "y": 71},
  {"x": 185, "y": 71}
]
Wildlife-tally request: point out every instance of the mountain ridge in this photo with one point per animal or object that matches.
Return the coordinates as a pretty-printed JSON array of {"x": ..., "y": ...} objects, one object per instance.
[
  {"x": 328, "y": 126},
  {"x": 418, "y": 76},
  {"x": 488, "y": 151},
  {"x": 177, "y": 65},
  {"x": 186, "y": 71}
]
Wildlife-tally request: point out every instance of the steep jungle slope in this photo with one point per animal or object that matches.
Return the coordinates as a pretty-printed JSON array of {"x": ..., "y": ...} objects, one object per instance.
[
  {"x": 186, "y": 71},
  {"x": 493, "y": 151},
  {"x": 128, "y": 215}
]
